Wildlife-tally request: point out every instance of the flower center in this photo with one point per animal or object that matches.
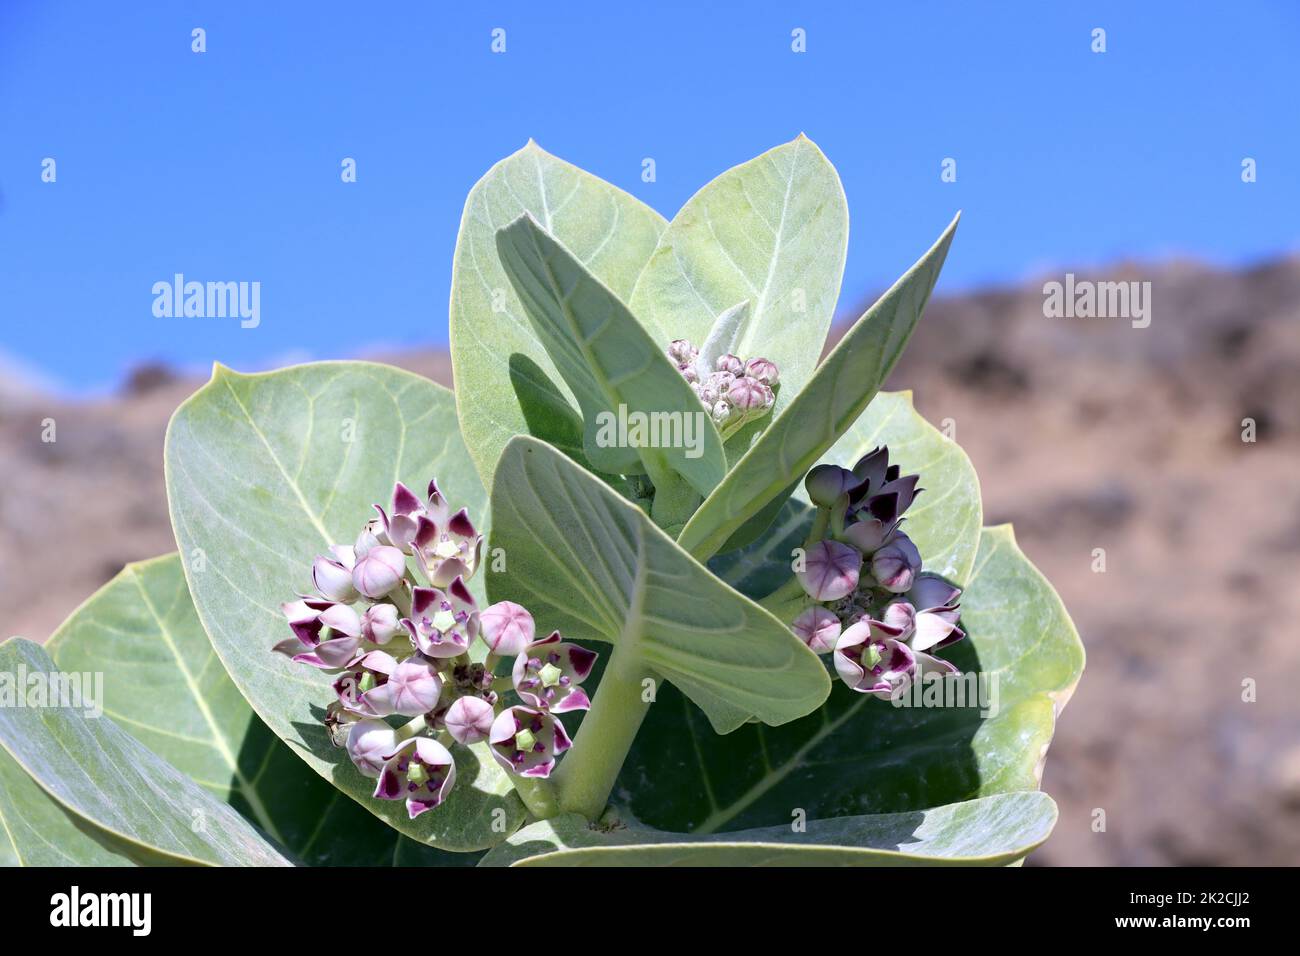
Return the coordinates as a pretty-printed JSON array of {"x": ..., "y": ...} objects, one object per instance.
[
  {"x": 550, "y": 675},
  {"x": 447, "y": 549},
  {"x": 524, "y": 740},
  {"x": 416, "y": 773},
  {"x": 444, "y": 621}
]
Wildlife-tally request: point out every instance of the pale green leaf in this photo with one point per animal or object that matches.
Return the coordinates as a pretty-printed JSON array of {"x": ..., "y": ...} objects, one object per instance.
[
  {"x": 992, "y": 831},
  {"x": 773, "y": 230},
  {"x": 840, "y": 389},
  {"x": 100, "y": 773},
  {"x": 594, "y": 566},
  {"x": 263, "y": 473},
  {"x": 861, "y": 755},
  {"x": 725, "y": 338},
  {"x": 506, "y": 383},
  {"x": 609, "y": 361},
  {"x": 36, "y": 830}
]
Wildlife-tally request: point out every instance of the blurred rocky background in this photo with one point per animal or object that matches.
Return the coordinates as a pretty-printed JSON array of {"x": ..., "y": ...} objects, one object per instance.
[{"x": 1087, "y": 433}]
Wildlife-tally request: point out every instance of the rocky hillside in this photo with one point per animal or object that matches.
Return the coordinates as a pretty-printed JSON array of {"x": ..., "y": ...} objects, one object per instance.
[{"x": 1087, "y": 433}]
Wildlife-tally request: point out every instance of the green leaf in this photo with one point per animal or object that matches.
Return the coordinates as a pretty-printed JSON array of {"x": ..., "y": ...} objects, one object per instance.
[
  {"x": 609, "y": 361},
  {"x": 142, "y": 629},
  {"x": 506, "y": 383},
  {"x": 263, "y": 473},
  {"x": 590, "y": 564},
  {"x": 944, "y": 522},
  {"x": 993, "y": 831},
  {"x": 862, "y": 755},
  {"x": 840, "y": 389},
  {"x": 725, "y": 337},
  {"x": 35, "y": 829},
  {"x": 100, "y": 773},
  {"x": 773, "y": 230}
]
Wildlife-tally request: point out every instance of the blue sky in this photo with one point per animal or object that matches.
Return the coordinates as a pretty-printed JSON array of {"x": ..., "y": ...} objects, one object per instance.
[{"x": 225, "y": 165}]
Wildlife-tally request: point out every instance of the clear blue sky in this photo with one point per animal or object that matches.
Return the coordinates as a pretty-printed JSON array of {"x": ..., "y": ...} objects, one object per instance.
[{"x": 225, "y": 165}]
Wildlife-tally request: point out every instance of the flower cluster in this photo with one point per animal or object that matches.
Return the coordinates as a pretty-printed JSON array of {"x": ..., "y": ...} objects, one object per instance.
[
  {"x": 875, "y": 610},
  {"x": 734, "y": 391},
  {"x": 393, "y": 622}
]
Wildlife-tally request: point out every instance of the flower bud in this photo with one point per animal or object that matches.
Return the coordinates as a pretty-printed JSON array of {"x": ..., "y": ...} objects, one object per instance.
[
  {"x": 333, "y": 576},
  {"x": 818, "y": 628},
  {"x": 896, "y": 565},
  {"x": 369, "y": 743},
  {"x": 763, "y": 370},
  {"x": 469, "y": 719},
  {"x": 831, "y": 571},
  {"x": 689, "y": 373},
  {"x": 381, "y": 623},
  {"x": 412, "y": 689},
  {"x": 729, "y": 363},
  {"x": 749, "y": 396},
  {"x": 825, "y": 484},
  {"x": 422, "y": 771},
  {"x": 376, "y": 574},
  {"x": 507, "y": 628},
  {"x": 682, "y": 352},
  {"x": 720, "y": 412}
]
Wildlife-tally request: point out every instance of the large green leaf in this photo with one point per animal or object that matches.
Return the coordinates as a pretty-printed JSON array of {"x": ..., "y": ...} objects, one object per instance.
[
  {"x": 100, "y": 773},
  {"x": 944, "y": 522},
  {"x": 36, "y": 830},
  {"x": 594, "y": 566},
  {"x": 862, "y": 755},
  {"x": 609, "y": 361},
  {"x": 840, "y": 389},
  {"x": 774, "y": 231},
  {"x": 168, "y": 690},
  {"x": 265, "y": 471},
  {"x": 992, "y": 831},
  {"x": 506, "y": 383}
]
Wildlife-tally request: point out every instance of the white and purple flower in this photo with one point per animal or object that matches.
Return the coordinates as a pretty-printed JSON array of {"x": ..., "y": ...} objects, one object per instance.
[
  {"x": 547, "y": 674},
  {"x": 421, "y": 771},
  {"x": 526, "y": 741},
  {"x": 443, "y": 623}
]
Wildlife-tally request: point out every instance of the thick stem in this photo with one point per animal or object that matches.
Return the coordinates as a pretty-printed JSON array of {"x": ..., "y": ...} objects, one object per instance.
[
  {"x": 587, "y": 774},
  {"x": 416, "y": 725},
  {"x": 787, "y": 601},
  {"x": 538, "y": 796},
  {"x": 674, "y": 502},
  {"x": 401, "y": 596}
]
